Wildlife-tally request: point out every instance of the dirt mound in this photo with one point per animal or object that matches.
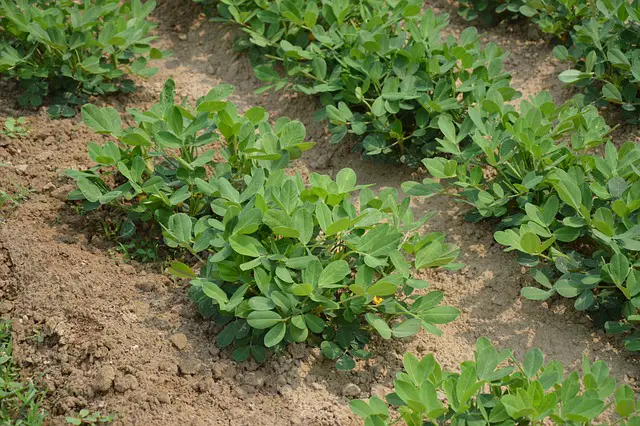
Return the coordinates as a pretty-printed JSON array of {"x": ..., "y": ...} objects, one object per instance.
[{"x": 121, "y": 337}]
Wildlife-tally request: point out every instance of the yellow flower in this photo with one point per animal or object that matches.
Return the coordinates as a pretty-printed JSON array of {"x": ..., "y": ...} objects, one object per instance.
[{"x": 377, "y": 300}]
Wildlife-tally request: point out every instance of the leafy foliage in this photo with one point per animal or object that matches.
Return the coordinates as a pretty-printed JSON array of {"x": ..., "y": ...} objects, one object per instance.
[
  {"x": 299, "y": 262},
  {"x": 86, "y": 417},
  {"x": 495, "y": 388},
  {"x": 555, "y": 17},
  {"x": 159, "y": 166},
  {"x": 605, "y": 55},
  {"x": 599, "y": 39},
  {"x": 14, "y": 127},
  {"x": 66, "y": 50},
  {"x": 489, "y": 12},
  {"x": 570, "y": 214},
  {"x": 19, "y": 401},
  {"x": 281, "y": 261},
  {"x": 381, "y": 69}
]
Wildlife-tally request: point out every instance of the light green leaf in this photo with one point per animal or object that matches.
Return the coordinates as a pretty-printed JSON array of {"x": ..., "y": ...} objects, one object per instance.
[
  {"x": 245, "y": 245},
  {"x": 180, "y": 226},
  {"x": 102, "y": 120},
  {"x": 334, "y": 273},
  {"x": 263, "y": 319},
  {"x": 90, "y": 191},
  {"x": 275, "y": 335}
]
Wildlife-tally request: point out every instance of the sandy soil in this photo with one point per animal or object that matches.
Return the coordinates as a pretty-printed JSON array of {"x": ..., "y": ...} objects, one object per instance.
[{"x": 122, "y": 338}]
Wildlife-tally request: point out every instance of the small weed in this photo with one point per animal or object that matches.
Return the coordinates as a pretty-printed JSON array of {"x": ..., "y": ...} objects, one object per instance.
[
  {"x": 14, "y": 199},
  {"x": 86, "y": 417},
  {"x": 110, "y": 228},
  {"x": 37, "y": 336},
  {"x": 140, "y": 250},
  {"x": 19, "y": 401},
  {"x": 14, "y": 127},
  {"x": 10, "y": 201}
]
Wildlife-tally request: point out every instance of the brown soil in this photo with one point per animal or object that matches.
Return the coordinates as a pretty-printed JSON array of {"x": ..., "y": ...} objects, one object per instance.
[{"x": 122, "y": 338}]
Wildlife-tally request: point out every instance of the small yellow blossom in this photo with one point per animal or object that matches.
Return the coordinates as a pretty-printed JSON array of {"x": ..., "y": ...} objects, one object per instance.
[{"x": 377, "y": 300}]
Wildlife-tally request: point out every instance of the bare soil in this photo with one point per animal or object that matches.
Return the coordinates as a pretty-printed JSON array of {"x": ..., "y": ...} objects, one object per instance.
[{"x": 122, "y": 338}]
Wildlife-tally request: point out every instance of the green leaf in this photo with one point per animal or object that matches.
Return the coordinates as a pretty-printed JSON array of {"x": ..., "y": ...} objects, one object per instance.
[
  {"x": 303, "y": 222},
  {"x": 330, "y": 349},
  {"x": 533, "y": 361},
  {"x": 619, "y": 268},
  {"x": 618, "y": 59},
  {"x": 345, "y": 363},
  {"x": 136, "y": 137},
  {"x": 530, "y": 243},
  {"x": 436, "y": 254},
  {"x": 280, "y": 223},
  {"x": 245, "y": 245},
  {"x": 573, "y": 76},
  {"x": 275, "y": 335},
  {"x": 90, "y": 191},
  {"x": 346, "y": 180},
  {"x": 516, "y": 406},
  {"x": 219, "y": 92},
  {"x": 617, "y": 186},
  {"x": 180, "y": 226},
  {"x": 569, "y": 192},
  {"x": 611, "y": 93},
  {"x": 263, "y": 319},
  {"x": 386, "y": 286},
  {"x": 102, "y": 120},
  {"x": 259, "y": 303},
  {"x": 380, "y": 241},
  {"x": 323, "y": 215},
  {"x": 625, "y": 401},
  {"x": 447, "y": 128},
  {"x": 406, "y": 328},
  {"x": 333, "y": 273},
  {"x": 440, "y": 315},
  {"x": 534, "y": 293},
  {"x": 241, "y": 354},
  {"x": 216, "y": 293},
  {"x": 314, "y": 323},
  {"x": 380, "y": 325},
  {"x": 377, "y": 108},
  {"x": 181, "y": 270}
]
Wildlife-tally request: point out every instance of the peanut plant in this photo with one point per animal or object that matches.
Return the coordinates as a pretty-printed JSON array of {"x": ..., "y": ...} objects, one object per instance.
[
  {"x": 280, "y": 260},
  {"x": 599, "y": 39},
  {"x": 61, "y": 51},
  {"x": 496, "y": 388},
  {"x": 570, "y": 215},
  {"x": 381, "y": 70}
]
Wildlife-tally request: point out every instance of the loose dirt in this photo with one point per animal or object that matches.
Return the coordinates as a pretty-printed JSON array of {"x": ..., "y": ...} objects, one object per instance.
[{"x": 122, "y": 338}]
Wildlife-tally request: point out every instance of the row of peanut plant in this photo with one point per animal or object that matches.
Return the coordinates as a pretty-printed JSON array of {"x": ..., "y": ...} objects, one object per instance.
[
  {"x": 280, "y": 260},
  {"x": 495, "y": 388},
  {"x": 383, "y": 72},
  {"x": 572, "y": 216},
  {"x": 62, "y": 51},
  {"x": 276, "y": 259},
  {"x": 286, "y": 261},
  {"x": 599, "y": 39}
]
